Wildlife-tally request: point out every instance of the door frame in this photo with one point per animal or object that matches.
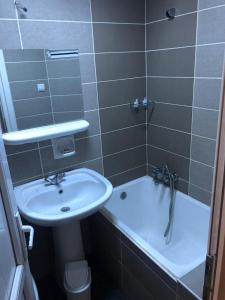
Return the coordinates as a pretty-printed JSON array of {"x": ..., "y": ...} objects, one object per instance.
[{"x": 215, "y": 274}]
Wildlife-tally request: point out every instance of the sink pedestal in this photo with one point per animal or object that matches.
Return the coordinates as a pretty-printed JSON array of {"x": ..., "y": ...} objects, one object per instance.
[{"x": 68, "y": 245}]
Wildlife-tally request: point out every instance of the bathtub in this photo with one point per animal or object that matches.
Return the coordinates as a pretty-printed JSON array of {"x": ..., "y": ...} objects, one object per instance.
[{"x": 139, "y": 209}]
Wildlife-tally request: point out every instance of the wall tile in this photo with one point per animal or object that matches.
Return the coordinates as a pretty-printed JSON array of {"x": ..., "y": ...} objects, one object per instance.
[
  {"x": 78, "y": 35},
  {"x": 26, "y": 71},
  {"x": 127, "y": 176},
  {"x": 172, "y": 116},
  {"x": 28, "y": 89},
  {"x": 171, "y": 90},
  {"x": 205, "y": 123},
  {"x": 18, "y": 165},
  {"x": 124, "y": 161},
  {"x": 34, "y": 121},
  {"x": 86, "y": 149},
  {"x": 63, "y": 68},
  {"x": 30, "y": 107},
  {"x": 171, "y": 34},
  {"x": 207, "y": 93},
  {"x": 125, "y": 11},
  {"x": 74, "y": 10},
  {"x": 93, "y": 118},
  {"x": 116, "y": 37},
  {"x": 123, "y": 139},
  {"x": 90, "y": 97},
  {"x": 120, "y": 117},
  {"x": 12, "y": 149},
  {"x": 121, "y": 92},
  {"x": 199, "y": 194},
  {"x": 211, "y": 26},
  {"x": 157, "y": 10},
  {"x": 63, "y": 117},
  {"x": 170, "y": 140},
  {"x": 120, "y": 65},
  {"x": 13, "y": 55},
  {"x": 7, "y": 9},
  {"x": 65, "y": 86},
  {"x": 178, "y": 62},
  {"x": 87, "y": 68},
  {"x": 210, "y": 3},
  {"x": 203, "y": 150},
  {"x": 157, "y": 157},
  {"x": 9, "y": 35},
  {"x": 201, "y": 175},
  {"x": 209, "y": 61},
  {"x": 67, "y": 103}
]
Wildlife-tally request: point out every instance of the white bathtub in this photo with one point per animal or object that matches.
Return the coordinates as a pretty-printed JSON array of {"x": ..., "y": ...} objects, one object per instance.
[{"x": 143, "y": 218}]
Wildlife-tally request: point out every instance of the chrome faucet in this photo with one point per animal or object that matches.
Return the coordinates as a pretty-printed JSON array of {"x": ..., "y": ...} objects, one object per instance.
[
  {"x": 55, "y": 179},
  {"x": 163, "y": 175}
]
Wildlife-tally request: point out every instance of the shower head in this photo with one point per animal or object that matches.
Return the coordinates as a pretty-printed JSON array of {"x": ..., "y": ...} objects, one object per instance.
[{"x": 19, "y": 6}]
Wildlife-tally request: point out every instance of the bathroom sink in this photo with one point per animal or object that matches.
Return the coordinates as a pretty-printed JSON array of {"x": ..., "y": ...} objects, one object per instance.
[{"x": 82, "y": 193}]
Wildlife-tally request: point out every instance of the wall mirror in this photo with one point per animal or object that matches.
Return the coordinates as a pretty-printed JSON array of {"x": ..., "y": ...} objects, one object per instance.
[{"x": 39, "y": 87}]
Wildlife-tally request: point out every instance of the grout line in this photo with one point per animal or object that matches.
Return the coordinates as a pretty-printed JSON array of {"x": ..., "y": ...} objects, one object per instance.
[
  {"x": 49, "y": 88},
  {"x": 170, "y": 152},
  {"x": 199, "y": 187},
  {"x": 125, "y": 150},
  {"x": 114, "y": 80},
  {"x": 121, "y": 129},
  {"x": 18, "y": 26},
  {"x": 146, "y": 88},
  {"x": 168, "y": 128},
  {"x": 99, "y": 121},
  {"x": 184, "y": 77},
  {"x": 120, "y": 52},
  {"x": 171, "y": 48},
  {"x": 131, "y": 169},
  {"x": 201, "y": 163},
  {"x": 47, "y": 96}
]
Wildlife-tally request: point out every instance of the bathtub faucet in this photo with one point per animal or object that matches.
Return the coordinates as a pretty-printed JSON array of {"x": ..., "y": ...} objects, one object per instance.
[{"x": 163, "y": 175}]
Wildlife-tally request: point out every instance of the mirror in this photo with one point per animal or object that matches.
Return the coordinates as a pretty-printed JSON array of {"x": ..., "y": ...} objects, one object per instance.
[{"x": 39, "y": 87}]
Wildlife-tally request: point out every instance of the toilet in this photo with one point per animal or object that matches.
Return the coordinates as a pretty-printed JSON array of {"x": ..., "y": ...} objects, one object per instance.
[{"x": 77, "y": 280}]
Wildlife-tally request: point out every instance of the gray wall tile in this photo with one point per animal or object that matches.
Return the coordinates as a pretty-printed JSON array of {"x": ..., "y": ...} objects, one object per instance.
[
  {"x": 171, "y": 90},
  {"x": 65, "y": 86},
  {"x": 9, "y": 35},
  {"x": 30, "y": 107},
  {"x": 87, "y": 68},
  {"x": 125, "y": 11},
  {"x": 169, "y": 34},
  {"x": 116, "y": 37},
  {"x": 169, "y": 140},
  {"x": 203, "y": 150},
  {"x": 34, "y": 121},
  {"x": 211, "y": 26},
  {"x": 209, "y": 61},
  {"x": 74, "y": 10},
  {"x": 128, "y": 176},
  {"x": 121, "y": 91},
  {"x": 205, "y": 123},
  {"x": 123, "y": 139},
  {"x": 14, "y": 55},
  {"x": 78, "y": 35},
  {"x": 172, "y": 116},
  {"x": 93, "y": 118},
  {"x": 67, "y": 103},
  {"x": 63, "y": 68},
  {"x": 178, "y": 62},
  {"x": 210, "y": 3},
  {"x": 202, "y": 195},
  {"x": 201, "y": 175},
  {"x": 26, "y": 71},
  {"x": 120, "y": 65},
  {"x": 63, "y": 117},
  {"x": 28, "y": 89},
  {"x": 207, "y": 93},
  {"x": 157, "y": 157},
  {"x": 90, "y": 97},
  {"x": 124, "y": 161},
  {"x": 156, "y": 10},
  {"x": 18, "y": 165},
  {"x": 120, "y": 117}
]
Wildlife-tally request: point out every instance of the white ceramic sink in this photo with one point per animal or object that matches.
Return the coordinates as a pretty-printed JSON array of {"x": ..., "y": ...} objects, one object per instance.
[{"x": 82, "y": 193}]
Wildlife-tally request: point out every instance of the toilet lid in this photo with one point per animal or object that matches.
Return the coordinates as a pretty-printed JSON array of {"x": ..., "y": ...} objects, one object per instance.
[{"x": 76, "y": 275}]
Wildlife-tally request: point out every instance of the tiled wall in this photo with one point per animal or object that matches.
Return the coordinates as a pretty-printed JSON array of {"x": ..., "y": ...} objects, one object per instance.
[
  {"x": 184, "y": 79},
  {"x": 60, "y": 101},
  {"x": 112, "y": 62}
]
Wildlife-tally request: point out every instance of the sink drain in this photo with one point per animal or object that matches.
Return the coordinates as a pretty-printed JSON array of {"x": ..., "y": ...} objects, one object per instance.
[{"x": 65, "y": 209}]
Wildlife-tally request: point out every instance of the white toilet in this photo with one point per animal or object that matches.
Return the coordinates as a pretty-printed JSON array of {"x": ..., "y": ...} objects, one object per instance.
[{"x": 77, "y": 280}]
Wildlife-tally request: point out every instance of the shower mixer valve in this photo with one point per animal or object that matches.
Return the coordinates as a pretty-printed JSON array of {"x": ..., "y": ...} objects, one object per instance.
[{"x": 143, "y": 104}]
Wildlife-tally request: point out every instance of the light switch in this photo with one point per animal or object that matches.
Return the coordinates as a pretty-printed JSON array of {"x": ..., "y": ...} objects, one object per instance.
[{"x": 41, "y": 87}]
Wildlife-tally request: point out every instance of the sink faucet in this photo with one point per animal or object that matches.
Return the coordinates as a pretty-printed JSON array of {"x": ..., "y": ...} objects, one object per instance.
[{"x": 55, "y": 179}]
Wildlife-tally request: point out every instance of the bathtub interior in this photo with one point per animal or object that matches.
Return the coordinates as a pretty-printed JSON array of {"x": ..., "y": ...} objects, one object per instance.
[{"x": 143, "y": 217}]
